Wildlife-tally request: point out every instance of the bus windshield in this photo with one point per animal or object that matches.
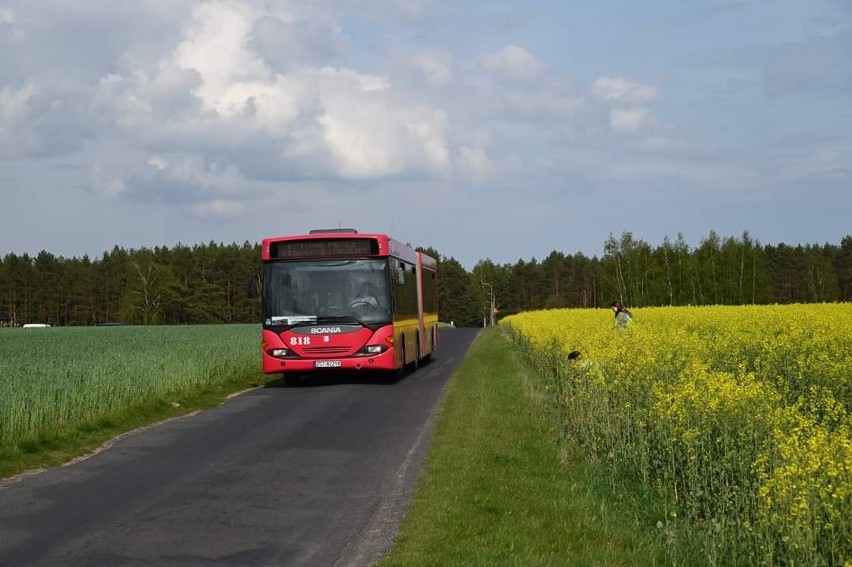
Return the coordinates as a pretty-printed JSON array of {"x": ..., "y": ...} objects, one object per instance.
[{"x": 316, "y": 291}]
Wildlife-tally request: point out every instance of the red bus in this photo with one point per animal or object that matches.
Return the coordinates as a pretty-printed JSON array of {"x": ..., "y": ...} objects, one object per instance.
[{"x": 340, "y": 300}]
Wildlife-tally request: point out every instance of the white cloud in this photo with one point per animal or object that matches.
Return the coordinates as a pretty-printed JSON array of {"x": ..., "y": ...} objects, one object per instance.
[
  {"x": 285, "y": 40},
  {"x": 513, "y": 63},
  {"x": 629, "y": 120},
  {"x": 104, "y": 184},
  {"x": 617, "y": 89},
  {"x": 371, "y": 134},
  {"x": 158, "y": 162},
  {"x": 436, "y": 67},
  {"x": 473, "y": 162},
  {"x": 14, "y": 104},
  {"x": 7, "y": 16},
  {"x": 215, "y": 45},
  {"x": 210, "y": 177},
  {"x": 10, "y": 26},
  {"x": 171, "y": 84},
  {"x": 215, "y": 92},
  {"x": 16, "y": 137}
]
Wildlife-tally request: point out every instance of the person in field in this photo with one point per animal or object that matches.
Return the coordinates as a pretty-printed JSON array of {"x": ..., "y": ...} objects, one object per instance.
[
  {"x": 364, "y": 298},
  {"x": 623, "y": 316}
]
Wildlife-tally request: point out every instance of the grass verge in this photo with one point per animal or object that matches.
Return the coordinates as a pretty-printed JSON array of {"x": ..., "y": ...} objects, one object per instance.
[
  {"x": 74, "y": 441},
  {"x": 501, "y": 487}
]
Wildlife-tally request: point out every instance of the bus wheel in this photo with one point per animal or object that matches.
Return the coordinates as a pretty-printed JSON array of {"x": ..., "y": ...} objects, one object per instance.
[
  {"x": 416, "y": 364},
  {"x": 400, "y": 372},
  {"x": 428, "y": 358}
]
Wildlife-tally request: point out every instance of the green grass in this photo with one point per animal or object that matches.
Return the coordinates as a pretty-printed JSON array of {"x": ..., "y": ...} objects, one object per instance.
[
  {"x": 56, "y": 447},
  {"x": 502, "y": 487},
  {"x": 66, "y": 391}
]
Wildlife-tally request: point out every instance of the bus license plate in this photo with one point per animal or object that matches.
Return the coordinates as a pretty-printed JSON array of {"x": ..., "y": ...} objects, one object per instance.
[{"x": 327, "y": 364}]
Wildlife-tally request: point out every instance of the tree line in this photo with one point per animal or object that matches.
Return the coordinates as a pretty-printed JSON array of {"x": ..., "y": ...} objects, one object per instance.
[
  {"x": 210, "y": 283},
  {"x": 720, "y": 271},
  {"x": 202, "y": 284}
]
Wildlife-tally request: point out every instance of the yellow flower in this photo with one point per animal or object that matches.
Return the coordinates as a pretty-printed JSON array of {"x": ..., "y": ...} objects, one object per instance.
[{"x": 744, "y": 412}]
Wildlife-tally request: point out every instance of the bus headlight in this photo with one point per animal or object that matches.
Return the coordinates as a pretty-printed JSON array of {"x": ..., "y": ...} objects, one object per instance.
[
  {"x": 278, "y": 352},
  {"x": 372, "y": 350}
]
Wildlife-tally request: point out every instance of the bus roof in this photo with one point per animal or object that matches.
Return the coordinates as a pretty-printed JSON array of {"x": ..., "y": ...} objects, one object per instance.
[
  {"x": 428, "y": 261},
  {"x": 332, "y": 243}
]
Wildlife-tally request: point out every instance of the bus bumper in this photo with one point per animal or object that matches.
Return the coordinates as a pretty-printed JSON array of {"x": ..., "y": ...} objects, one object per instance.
[{"x": 383, "y": 362}]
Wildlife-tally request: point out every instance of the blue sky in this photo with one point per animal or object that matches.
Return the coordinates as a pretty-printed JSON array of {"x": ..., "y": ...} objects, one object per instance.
[{"x": 499, "y": 130}]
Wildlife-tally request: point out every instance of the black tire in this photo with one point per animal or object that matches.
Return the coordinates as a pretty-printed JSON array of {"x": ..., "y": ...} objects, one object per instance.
[
  {"x": 400, "y": 372},
  {"x": 416, "y": 364},
  {"x": 431, "y": 355}
]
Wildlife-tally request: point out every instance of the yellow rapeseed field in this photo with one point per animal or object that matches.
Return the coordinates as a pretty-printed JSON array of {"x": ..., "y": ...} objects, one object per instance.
[{"x": 740, "y": 416}]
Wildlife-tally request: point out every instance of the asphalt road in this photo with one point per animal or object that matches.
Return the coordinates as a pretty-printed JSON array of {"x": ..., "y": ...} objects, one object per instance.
[{"x": 318, "y": 475}]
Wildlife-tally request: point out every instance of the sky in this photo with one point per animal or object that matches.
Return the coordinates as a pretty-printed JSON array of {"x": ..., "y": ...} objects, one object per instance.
[{"x": 485, "y": 129}]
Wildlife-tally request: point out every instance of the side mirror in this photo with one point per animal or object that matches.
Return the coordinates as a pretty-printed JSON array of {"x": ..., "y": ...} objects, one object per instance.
[{"x": 251, "y": 287}]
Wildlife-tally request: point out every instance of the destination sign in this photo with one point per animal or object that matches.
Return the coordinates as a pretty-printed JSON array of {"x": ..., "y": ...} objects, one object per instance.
[{"x": 324, "y": 248}]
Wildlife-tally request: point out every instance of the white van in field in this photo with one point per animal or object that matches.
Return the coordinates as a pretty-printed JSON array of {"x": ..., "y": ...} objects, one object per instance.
[{"x": 35, "y": 325}]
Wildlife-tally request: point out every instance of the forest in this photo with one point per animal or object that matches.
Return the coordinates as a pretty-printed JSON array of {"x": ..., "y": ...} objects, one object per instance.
[{"x": 211, "y": 283}]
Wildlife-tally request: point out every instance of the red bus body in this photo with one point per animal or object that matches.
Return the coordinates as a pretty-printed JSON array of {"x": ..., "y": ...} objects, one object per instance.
[{"x": 309, "y": 322}]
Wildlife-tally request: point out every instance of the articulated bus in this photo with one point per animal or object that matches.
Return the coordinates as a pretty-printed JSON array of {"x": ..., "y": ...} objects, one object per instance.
[{"x": 337, "y": 299}]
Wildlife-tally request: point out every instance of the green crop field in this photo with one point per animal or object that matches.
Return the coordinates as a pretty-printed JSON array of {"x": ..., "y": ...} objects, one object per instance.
[{"x": 56, "y": 378}]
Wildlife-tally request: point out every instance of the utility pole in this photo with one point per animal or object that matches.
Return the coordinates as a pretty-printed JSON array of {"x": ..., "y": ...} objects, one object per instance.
[{"x": 491, "y": 302}]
